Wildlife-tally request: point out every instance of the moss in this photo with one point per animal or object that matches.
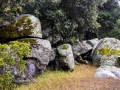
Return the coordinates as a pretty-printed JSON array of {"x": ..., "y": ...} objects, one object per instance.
[
  {"x": 79, "y": 59},
  {"x": 64, "y": 46},
  {"x": 27, "y": 40},
  {"x": 26, "y": 24},
  {"x": 8, "y": 31},
  {"x": 12, "y": 30},
  {"x": 74, "y": 40}
]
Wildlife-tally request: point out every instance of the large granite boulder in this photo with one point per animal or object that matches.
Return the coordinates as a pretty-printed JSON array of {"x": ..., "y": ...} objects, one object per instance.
[
  {"x": 37, "y": 60},
  {"x": 106, "y": 52},
  {"x": 40, "y": 49},
  {"x": 107, "y": 72},
  {"x": 65, "y": 58}
]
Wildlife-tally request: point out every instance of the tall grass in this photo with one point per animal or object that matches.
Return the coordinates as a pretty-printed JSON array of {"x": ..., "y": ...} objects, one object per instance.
[
  {"x": 81, "y": 78},
  {"x": 60, "y": 80}
]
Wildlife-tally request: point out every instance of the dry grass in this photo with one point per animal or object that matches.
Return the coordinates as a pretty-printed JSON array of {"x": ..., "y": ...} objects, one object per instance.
[{"x": 80, "y": 79}]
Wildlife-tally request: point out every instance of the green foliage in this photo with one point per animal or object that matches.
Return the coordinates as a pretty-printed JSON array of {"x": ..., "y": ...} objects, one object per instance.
[
  {"x": 116, "y": 31},
  {"x": 109, "y": 13},
  {"x": 11, "y": 55},
  {"x": 9, "y": 9},
  {"x": 70, "y": 18}
]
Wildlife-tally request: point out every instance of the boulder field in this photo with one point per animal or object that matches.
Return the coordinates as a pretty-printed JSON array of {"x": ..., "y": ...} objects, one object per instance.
[{"x": 49, "y": 53}]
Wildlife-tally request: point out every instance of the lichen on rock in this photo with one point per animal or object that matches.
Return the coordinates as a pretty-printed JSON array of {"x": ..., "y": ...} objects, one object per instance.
[
  {"x": 28, "y": 25},
  {"x": 64, "y": 46},
  {"x": 106, "y": 52}
]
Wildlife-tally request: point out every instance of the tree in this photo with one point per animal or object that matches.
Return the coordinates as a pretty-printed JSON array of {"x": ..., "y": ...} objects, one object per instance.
[
  {"x": 109, "y": 13},
  {"x": 70, "y": 18},
  {"x": 116, "y": 30},
  {"x": 9, "y": 9}
]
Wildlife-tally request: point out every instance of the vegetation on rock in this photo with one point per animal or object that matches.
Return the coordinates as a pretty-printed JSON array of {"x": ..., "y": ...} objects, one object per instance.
[
  {"x": 11, "y": 56},
  {"x": 64, "y": 47}
]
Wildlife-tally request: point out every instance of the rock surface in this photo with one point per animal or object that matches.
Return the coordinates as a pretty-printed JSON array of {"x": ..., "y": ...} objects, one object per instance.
[
  {"x": 93, "y": 42},
  {"x": 106, "y": 52},
  {"x": 28, "y": 25},
  {"x": 80, "y": 48},
  {"x": 37, "y": 60},
  {"x": 107, "y": 72},
  {"x": 65, "y": 57}
]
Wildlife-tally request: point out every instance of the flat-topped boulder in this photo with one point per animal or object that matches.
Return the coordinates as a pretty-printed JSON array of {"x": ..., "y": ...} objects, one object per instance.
[
  {"x": 28, "y": 25},
  {"x": 25, "y": 25}
]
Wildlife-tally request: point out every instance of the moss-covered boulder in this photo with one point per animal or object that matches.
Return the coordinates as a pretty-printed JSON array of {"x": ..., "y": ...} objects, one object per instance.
[
  {"x": 65, "y": 57},
  {"x": 39, "y": 52},
  {"x": 28, "y": 25},
  {"x": 106, "y": 52},
  {"x": 25, "y": 25}
]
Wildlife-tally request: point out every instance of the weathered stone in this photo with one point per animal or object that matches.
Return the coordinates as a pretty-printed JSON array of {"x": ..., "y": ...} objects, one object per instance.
[
  {"x": 46, "y": 33},
  {"x": 106, "y": 52},
  {"x": 28, "y": 25},
  {"x": 31, "y": 66},
  {"x": 107, "y": 71},
  {"x": 80, "y": 60},
  {"x": 80, "y": 48},
  {"x": 93, "y": 42},
  {"x": 66, "y": 58},
  {"x": 53, "y": 54},
  {"x": 40, "y": 51},
  {"x": 36, "y": 62},
  {"x": 55, "y": 39}
]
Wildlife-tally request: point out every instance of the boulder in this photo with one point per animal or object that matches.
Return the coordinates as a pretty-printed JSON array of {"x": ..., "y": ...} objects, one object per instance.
[
  {"x": 25, "y": 25},
  {"x": 93, "y": 42},
  {"x": 46, "y": 32},
  {"x": 36, "y": 62},
  {"x": 40, "y": 52},
  {"x": 65, "y": 58},
  {"x": 53, "y": 54},
  {"x": 28, "y": 25},
  {"x": 106, "y": 52},
  {"x": 40, "y": 49},
  {"x": 31, "y": 68},
  {"x": 80, "y": 48},
  {"x": 55, "y": 39},
  {"x": 107, "y": 72},
  {"x": 46, "y": 28}
]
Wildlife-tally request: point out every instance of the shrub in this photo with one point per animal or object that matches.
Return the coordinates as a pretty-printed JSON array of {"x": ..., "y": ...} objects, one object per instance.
[{"x": 11, "y": 55}]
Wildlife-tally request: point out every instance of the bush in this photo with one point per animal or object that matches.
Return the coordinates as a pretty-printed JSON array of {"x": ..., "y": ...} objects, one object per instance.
[{"x": 11, "y": 55}]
